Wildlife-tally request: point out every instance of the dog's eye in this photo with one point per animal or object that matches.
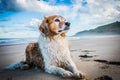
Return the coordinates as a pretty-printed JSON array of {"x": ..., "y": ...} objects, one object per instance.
[{"x": 57, "y": 20}]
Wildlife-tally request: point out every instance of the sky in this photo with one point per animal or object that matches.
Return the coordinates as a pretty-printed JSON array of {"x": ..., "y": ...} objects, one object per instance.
[{"x": 23, "y": 16}]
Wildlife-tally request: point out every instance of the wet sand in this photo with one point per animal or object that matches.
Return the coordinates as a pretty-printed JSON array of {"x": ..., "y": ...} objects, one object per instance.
[{"x": 101, "y": 49}]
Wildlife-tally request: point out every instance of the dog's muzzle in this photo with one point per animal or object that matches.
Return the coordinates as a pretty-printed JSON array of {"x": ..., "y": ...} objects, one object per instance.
[
  {"x": 67, "y": 24},
  {"x": 66, "y": 28}
]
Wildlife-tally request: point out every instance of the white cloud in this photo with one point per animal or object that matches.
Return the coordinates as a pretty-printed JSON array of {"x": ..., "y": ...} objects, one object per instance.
[
  {"x": 91, "y": 15},
  {"x": 41, "y": 6},
  {"x": 95, "y": 13},
  {"x": 19, "y": 34},
  {"x": 35, "y": 22},
  {"x": 95, "y": 9}
]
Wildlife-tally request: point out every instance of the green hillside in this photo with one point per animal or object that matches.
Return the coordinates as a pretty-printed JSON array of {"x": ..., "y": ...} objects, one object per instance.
[{"x": 109, "y": 29}]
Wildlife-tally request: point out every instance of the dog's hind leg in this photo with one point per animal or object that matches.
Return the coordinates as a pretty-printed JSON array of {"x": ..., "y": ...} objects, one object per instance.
[
  {"x": 34, "y": 56},
  {"x": 29, "y": 57}
]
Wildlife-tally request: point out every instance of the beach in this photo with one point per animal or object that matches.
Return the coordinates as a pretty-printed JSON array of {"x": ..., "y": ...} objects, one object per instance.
[{"x": 95, "y": 57}]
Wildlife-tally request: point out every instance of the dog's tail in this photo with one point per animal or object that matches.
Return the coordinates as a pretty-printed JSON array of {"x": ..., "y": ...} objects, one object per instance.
[{"x": 19, "y": 65}]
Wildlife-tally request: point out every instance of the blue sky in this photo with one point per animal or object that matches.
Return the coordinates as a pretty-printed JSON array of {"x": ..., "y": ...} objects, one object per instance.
[
  {"x": 59, "y": 2},
  {"x": 23, "y": 16}
]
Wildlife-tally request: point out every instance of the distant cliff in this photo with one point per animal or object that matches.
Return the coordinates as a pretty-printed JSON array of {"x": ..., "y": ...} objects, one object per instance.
[{"x": 109, "y": 29}]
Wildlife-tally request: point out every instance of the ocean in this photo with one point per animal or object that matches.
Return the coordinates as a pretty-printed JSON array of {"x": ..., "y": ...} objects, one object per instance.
[{"x": 12, "y": 41}]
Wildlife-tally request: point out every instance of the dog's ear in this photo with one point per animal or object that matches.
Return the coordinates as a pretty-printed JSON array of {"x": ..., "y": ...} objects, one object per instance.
[
  {"x": 44, "y": 29},
  {"x": 46, "y": 19},
  {"x": 44, "y": 26}
]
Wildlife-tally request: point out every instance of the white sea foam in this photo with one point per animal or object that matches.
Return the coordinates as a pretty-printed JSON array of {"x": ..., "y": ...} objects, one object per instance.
[{"x": 10, "y": 41}]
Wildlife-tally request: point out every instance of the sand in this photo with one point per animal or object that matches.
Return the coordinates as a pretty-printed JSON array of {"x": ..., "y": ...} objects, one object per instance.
[{"x": 91, "y": 49}]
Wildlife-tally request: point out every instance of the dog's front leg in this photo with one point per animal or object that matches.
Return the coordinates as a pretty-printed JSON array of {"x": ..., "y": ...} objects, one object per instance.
[
  {"x": 72, "y": 67},
  {"x": 58, "y": 70}
]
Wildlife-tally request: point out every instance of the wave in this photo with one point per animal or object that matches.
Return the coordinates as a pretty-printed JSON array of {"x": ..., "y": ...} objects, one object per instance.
[{"x": 11, "y": 41}]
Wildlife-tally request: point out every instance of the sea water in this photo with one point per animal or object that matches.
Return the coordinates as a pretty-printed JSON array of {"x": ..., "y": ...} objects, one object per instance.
[{"x": 11, "y": 41}]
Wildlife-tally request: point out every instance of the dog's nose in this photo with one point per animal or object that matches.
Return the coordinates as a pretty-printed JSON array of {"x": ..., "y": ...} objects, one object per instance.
[{"x": 67, "y": 23}]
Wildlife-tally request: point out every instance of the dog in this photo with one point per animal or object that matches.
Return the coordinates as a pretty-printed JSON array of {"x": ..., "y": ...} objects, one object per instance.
[{"x": 51, "y": 53}]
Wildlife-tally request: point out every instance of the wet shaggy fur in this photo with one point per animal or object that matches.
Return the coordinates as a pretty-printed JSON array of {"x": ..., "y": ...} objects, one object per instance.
[{"x": 51, "y": 53}]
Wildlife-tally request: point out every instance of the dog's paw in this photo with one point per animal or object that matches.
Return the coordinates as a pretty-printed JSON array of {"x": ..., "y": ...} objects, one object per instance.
[
  {"x": 67, "y": 74},
  {"x": 79, "y": 74},
  {"x": 24, "y": 67}
]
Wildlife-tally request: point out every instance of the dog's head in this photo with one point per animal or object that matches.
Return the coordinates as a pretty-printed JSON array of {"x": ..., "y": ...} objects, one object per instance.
[{"x": 54, "y": 25}]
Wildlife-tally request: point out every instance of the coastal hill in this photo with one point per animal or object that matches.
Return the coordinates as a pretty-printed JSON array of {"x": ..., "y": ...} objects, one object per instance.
[{"x": 109, "y": 29}]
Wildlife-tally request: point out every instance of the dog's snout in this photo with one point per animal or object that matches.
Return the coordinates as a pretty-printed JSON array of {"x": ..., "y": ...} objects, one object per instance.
[{"x": 67, "y": 24}]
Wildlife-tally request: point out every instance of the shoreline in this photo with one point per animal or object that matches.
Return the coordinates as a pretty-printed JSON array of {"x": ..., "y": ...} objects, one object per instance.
[{"x": 70, "y": 38}]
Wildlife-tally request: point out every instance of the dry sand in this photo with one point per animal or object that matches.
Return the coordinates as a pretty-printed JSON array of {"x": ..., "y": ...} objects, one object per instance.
[{"x": 97, "y": 48}]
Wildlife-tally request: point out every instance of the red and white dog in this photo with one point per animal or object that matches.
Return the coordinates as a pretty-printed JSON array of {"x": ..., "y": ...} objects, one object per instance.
[{"x": 51, "y": 52}]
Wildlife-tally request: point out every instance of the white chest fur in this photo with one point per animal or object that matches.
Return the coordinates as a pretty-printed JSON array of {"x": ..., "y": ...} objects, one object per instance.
[{"x": 54, "y": 51}]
